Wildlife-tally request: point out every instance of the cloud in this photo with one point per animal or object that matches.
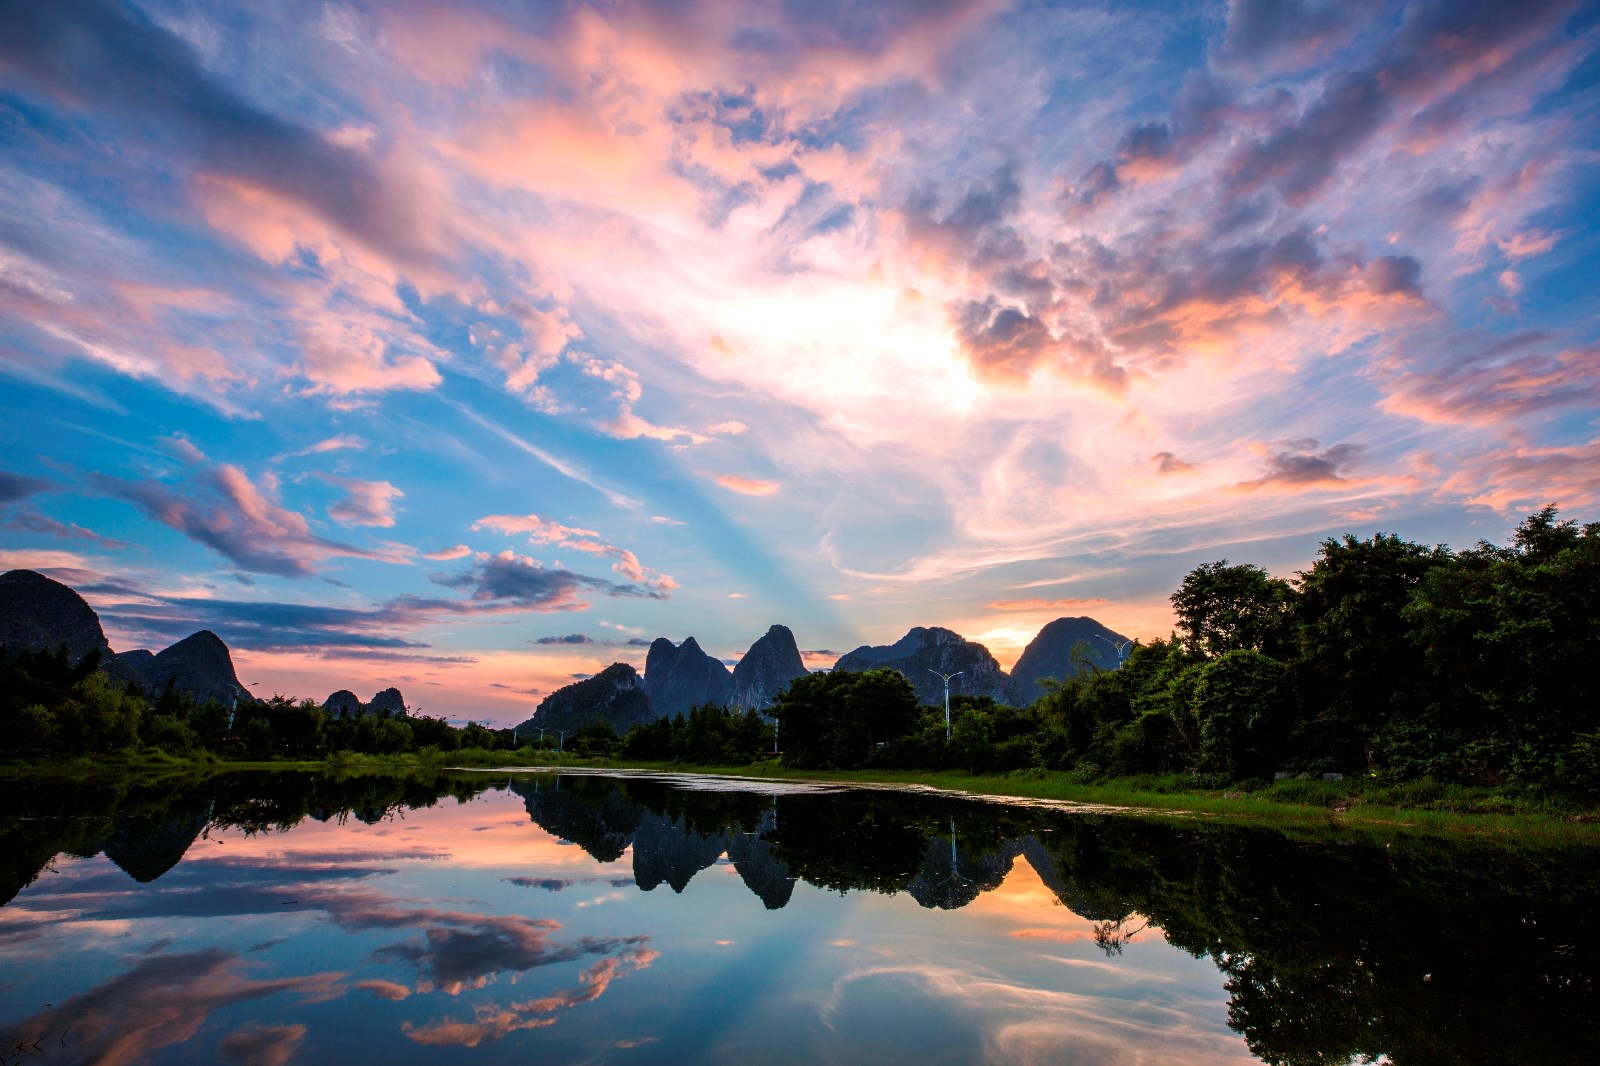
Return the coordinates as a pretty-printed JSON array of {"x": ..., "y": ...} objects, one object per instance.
[
  {"x": 493, "y": 1022},
  {"x": 1299, "y": 467},
  {"x": 17, "y": 487},
  {"x": 1168, "y": 463},
  {"x": 92, "y": 53},
  {"x": 25, "y": 521},
  {"x": 509, "y": 580},
  {"x": 1526, "y": 373},
  {"x": 443, "y": 555},
  {"x": 746, "y": 486},
  {"x": 1047, "y": 605},
  {"x": 220, "y": 507},
  {"x": 366, "y": 503},
  {"x": 330, "y": 444},
  {"x": 262, "y": 1045},
  {"x": 161, "y": 1002},
  {"x": 544, "y": 531}
]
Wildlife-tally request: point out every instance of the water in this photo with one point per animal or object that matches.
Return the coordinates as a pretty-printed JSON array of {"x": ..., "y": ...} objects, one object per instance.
[{"x": 270, "y": 918}]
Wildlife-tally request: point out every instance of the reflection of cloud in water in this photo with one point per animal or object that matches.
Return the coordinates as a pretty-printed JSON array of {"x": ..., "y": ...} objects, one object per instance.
[
  {"x": 946, "y": 1015},
  {"x": 492, "y": 1022},
  {"x": 160, "y": 1002},
  {"x": 263, "y": 1045}
]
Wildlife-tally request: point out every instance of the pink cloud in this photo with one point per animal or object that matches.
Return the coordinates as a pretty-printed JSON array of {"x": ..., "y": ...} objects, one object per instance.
[
  {"x": 1047, "y": 605},
  {"x": 747, "y": 486},
  {"x": 220, "y": 507},
  {"x": 459, "y": 551},
  {"x": 544, "y": 531},
  {"x": 366, "y": 503}
]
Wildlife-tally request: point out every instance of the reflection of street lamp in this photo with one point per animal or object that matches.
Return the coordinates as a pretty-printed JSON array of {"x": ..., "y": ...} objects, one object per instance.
[
  {"x": 956, "y": 876},
  {"x": 1121, "y": 649},
  {"x": 946, "y": 679}
]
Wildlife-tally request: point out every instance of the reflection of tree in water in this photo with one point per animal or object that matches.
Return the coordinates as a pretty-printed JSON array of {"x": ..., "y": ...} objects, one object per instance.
[{"x": 1332, "y": 949}]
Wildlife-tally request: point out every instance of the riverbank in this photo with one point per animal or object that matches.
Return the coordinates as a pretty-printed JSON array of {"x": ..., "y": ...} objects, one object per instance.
[{"x": 1424, "y": 806}]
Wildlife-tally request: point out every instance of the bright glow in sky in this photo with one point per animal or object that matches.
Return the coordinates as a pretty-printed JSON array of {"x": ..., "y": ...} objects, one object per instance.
[{"x": 388, "y": 340}]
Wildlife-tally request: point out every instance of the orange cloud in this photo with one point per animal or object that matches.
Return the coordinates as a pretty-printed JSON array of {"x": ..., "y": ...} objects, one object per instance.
[
  {"x": 747, "y": 486},
  {"x": 1046, "y": 605}
]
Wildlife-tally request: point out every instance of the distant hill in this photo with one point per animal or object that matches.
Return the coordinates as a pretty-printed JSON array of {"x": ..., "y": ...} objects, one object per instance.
[
  {"x": 766, "y": 669},
  {"x": 680, "y": 676},
  {"x": 615, "y": 695},
  {"x": 924, "y": 650},
  {"x": 199, "y": 665},
  {"x": 41, "y": 614},
  {"x": 1049, "y": 654}
]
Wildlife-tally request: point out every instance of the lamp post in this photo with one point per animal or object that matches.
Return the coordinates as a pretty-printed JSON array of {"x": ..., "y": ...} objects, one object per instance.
[
  {"x": 946, "y": 679},
  {"x": 561, "y": 738},
  {"x": 1121, "y": 649}
]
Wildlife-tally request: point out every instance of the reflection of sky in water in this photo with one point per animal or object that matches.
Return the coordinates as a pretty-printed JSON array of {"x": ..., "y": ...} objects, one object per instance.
[{"x": 466, "y": 930}]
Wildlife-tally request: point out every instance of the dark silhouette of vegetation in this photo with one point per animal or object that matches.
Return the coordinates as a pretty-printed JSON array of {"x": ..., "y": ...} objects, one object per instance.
[
  {"x": 1387, "y": 660},
  {"x": 52, "y": 708}
]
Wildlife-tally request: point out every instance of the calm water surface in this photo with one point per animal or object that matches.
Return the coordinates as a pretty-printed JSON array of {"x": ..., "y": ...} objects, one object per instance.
[{"x": 274, "y": 918}]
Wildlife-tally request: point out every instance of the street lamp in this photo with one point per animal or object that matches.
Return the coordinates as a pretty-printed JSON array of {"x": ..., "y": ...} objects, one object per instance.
[
  {"x": 1121, "y": 649},
  {"x": 561, "y": 738},
  {"x": 946, "y": 679}
]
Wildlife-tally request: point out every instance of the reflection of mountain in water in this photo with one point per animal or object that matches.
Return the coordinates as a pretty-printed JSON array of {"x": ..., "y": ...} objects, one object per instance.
[
  {"x": 669, "y": 847},
  {"x": 147, "y": 849},
  {"x": 591, "y": 813},
  {"x": 665, "y": 852},
  {"x": 760, "y": 868}
]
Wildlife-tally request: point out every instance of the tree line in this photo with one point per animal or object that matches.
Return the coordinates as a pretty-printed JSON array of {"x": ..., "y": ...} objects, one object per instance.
[
  {"x": 1387, "y": 658},
  {"x": 52, "y": 707}
]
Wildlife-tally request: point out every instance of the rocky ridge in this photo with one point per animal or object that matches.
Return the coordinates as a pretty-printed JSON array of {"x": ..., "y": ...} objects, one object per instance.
[
  {"x": 766, "y": 669},
  {"x": 924, "y": 650},
  {"x": 680, "y": 676}
]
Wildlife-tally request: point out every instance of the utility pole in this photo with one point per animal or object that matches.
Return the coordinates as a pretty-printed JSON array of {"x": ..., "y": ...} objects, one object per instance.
[{"x": 946, "y": 679}]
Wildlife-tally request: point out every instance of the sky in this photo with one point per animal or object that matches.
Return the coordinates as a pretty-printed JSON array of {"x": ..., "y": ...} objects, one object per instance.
[{"x": 469, "y": 347}]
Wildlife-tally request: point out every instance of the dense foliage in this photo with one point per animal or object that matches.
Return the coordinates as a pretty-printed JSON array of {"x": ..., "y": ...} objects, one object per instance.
[{"x": 1386, "y": 659}]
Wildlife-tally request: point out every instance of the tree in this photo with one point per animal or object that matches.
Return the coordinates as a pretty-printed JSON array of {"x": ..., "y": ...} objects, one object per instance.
[
  {"x": 1224, "y": 608},
  {"x": 836, "y": 720},
  {"x": 1356, "y": 667},
  {"x": 1240, "y": 700}
]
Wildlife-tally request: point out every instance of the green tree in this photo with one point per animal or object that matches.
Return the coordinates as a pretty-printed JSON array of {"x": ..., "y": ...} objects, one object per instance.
[
  {"x": 1223, "y": 608},
  {"x": 837, "y": 720}
]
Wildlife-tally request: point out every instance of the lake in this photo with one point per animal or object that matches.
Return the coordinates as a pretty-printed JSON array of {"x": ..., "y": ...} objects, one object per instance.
[{"x": 526, "y": 916}]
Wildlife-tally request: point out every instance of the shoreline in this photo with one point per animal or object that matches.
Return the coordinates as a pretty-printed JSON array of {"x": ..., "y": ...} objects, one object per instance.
[{"x": 1335, "y": 809}]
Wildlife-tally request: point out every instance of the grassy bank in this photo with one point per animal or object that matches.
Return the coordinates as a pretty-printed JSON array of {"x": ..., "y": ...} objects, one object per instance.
[{"x": 1408, "y": 806}]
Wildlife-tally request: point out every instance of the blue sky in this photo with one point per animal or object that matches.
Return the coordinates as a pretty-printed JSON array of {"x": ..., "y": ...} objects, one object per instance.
[{"x": 388, "y": 340}]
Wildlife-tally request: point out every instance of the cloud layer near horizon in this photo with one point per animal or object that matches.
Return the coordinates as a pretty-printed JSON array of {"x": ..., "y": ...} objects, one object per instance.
[{"x": 910, "y": 305}]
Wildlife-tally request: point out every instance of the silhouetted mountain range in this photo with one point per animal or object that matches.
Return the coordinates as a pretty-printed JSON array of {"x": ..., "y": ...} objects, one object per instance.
[
  {"x": 42, "y": 614},
  {"x": 345, "y": 704},
  {"x": 38, "y": 612}
]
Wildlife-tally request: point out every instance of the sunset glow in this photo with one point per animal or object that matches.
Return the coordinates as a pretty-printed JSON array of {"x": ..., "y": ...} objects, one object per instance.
[{"x": 385, "y": 340}]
